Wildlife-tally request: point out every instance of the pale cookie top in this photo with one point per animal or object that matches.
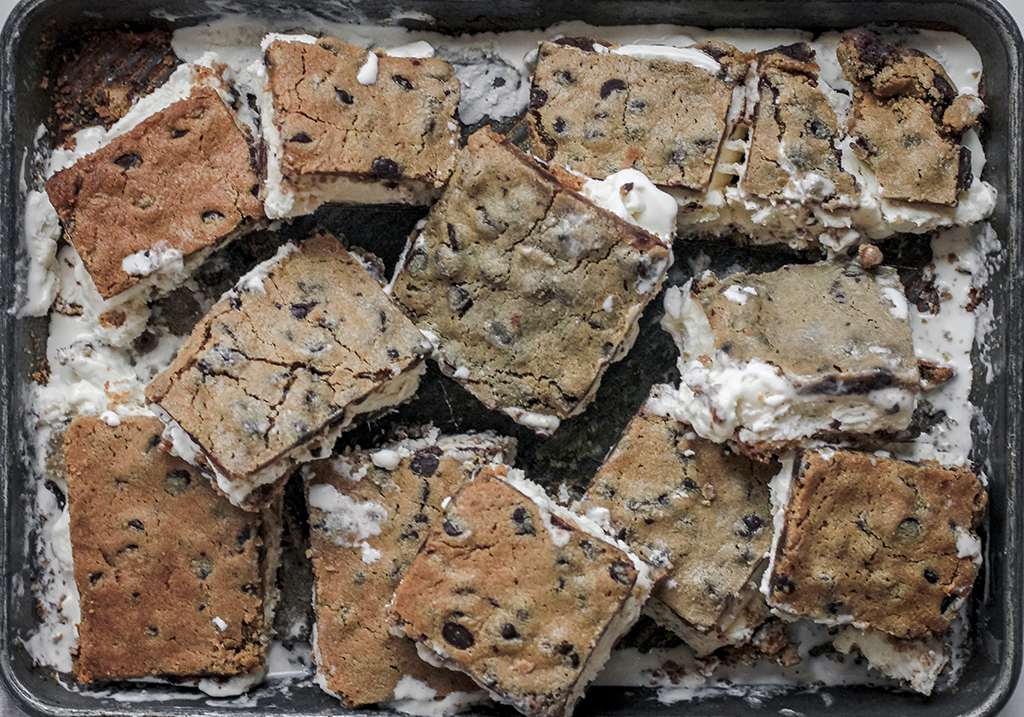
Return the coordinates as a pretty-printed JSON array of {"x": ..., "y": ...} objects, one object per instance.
[
  {"x": 599, "y": 112},
  {"x": 908, "y": 119},
  {"x": 877, "y": 542},
  {"x": 183, "y": 179},
  {"x": 507, "y": 600},
  {"x": 793, "y": 153},
  {"x": 693, "y": 505},
  {"x": 369, "y": 512},
  {"x": 158, "y": 556},
  {"x": 332, "y": 122},
  {"x": 529, "y": 288},
  {"x": 279, "y": 358}
]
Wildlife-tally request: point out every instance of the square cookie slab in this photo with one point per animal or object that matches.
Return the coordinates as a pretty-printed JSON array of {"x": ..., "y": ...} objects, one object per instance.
[
  {"x": 303, "y": 346},
  {"x": 873, "y": 542},
  {"x": 323, "y": 105},
  {"x": 528, "y": 290},
  {"x": 698, "y": 509},
  {"x": 770, "y": 359},
  {"x": 662, "y": 110},
  {"x": 369, "y": 513},
  {"x": 175, "y": 582},
  {"x": 152, "y": 204},
  {"x": 525, "y": 597},
  {"x": 916, "y": 662},
  {"x": 908, "y": 118}
]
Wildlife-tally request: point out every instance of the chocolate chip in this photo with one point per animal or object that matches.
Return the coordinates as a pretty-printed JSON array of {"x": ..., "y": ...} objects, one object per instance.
[
  {"x": 509, "y": 631},
  {"x": 155, "y": 440},
  {"x": 212, "y": 216},
  {"x": 964, "y": 172},
  {"x": 202, "y": 568},
  {"x": 128, "y": 161},
  {"x": 384, "y": 168},
  {"x": 452, "y": 239},
  {"x": 459, "y": 300},
  {"x": 301, "y": 138},
  {"x": 235, "y": 302},
  {"x": 401, "y": 82},
  {"x": 301, "y": 309},
  {"x": 818, "y": 129},
  {"x": 565, "y": 77},
  {"x": 945, "y": 90},
  {"x": 457, "y": 636},
  {"x": 95, "y": 578},
  {"x": 569, "y": 650},
  {"x": 344, "y": 96},
  {"x": 425, "y": 488},
  {"x": 946, "y": 602},
  {"x": 798, "y": 51},
  {"x": 451, "y": 529},
  {"x": 751, "y": 525},
  {"x": 782, "y": 584},
  {"x": 931, "y": 576},
  {"x": 559, "y": 523},
  {"x": 244, "y": 535},
  {"x": 418, "y": 262},
  {"x": 136, "y": 525},
  {"x": 409, "y": 535},
  {"x": 522, "y": 522},
  {"x": 559, "y": 125},
  {"x": 152, "y": 631},
  {"x": 251, "y": 589},
  {"x": 393, "y": 353},
  {"x": 834, "y": 607},
  {"x": 909, "y": 528},
  {"x": 424, "y": 464},
  {"x": 177, "y": 481},
  {"x": 689, "y": 484},
  {"x": 58, "y": 494},
  {"x": 382, "y": 315},
  {"x": 621, "y": 572},
  {"x": 420, "y": 518},
  {"x": 613, "y": 85},
  {"x": 636, "y": 106},
  {"x": 538, "y": 98},
  {"x": 178, "y": 133}
]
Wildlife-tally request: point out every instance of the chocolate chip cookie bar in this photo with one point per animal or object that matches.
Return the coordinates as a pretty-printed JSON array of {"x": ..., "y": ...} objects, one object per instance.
[
  {"x": 152, "y": 204},
  {"x": 908, "y": 118},
  {"x": 758, "y": 367},
  {"x": 303, "y": 346},
  {"x": 323, "y": 107},
  {"x": 661, "y": 110},
  {"x": 175, "y": 582},
  {"x": 917, "y": 662},
  {"x": 369, "y": 512},
  {"x": 699, "y": 510},
  {"x": 527, "y": 289},
  {"x": 525, "y": 597},
  {"x": 873, "y": 542}
]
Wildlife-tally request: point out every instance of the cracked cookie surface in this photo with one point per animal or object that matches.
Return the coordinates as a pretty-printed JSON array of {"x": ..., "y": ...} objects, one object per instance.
[
  {"x": 183, "y": 179},
  {"x": 875, "y": 542},
  {"x": 367, "y": 522},
  {"x": 530, "y": 289},
  {"x": 517, "y": 597},
  {"x": 168, "y": 571},
  {"x": 299, "y": 348},
  {"x": 696, "y": 507}
]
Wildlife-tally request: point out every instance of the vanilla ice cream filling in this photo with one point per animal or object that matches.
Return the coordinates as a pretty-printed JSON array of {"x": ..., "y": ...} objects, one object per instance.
[{"x": 917, "y": 662}]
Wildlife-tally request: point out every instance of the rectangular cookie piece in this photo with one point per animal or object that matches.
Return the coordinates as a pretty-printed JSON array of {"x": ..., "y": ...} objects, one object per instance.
[
  {"x": 175, "y": 582},
  {"x": 908, "y": 118},
  {"x": 661, "y": 110},
  {"x": 323, "y": 105},
  {"x": 770, "y": 359},
  {"x": 152, "y": 204},
  {"x": 917, "y": 662},
  {"x": 528, "y": 290},
  {"x": 873, "y": 542},
  {"x": 699, "y": 510},
  {"x": 369, "y": 512},
  {"x": 793, "y": 155},
  {"x": 525, "y": 597},
  {"x": 302, "y": 347}
]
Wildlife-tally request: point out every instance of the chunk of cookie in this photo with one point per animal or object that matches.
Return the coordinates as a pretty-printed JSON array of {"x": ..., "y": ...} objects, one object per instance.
[
  {"x": 917, "y": 662},
  {"x": 664, "y": 111},
  {"x": 698, "y": 509},
  {"x": 323, "y": 105},
  {"x": 525, "y": 597},
  {"x": 302, "y": 347},
  {"x": 369, "y": 513},
  {"x": 175, "y": 582},
  {"x": 873, "y": 542},
  {"x": 156, "y": 201},
  {"x": 528, "y": 289}
]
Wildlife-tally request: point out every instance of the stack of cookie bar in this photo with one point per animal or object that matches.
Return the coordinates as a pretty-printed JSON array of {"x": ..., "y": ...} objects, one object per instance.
[{"x": 760, "y": 485}]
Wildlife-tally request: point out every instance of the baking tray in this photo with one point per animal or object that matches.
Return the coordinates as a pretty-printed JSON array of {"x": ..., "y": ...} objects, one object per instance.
[{"x": 995, "y": 605}]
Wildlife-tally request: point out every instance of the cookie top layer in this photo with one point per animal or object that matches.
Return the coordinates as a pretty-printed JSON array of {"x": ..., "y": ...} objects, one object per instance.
[
  {"x": 793, "y": 153},
  {"x": 369, "y": 512},
  {"x": 330, "y": 115},
  {"x": 530, "y": 289},
  {"x": 515, "y": 596},
  {"x": 693, "y": 505},
  {"x": 599, "y": 112},
  {"x": 168, "y": 571},
  {"x": 182, "y": 180},
  {"x": 278, "y": 360},
  {"x": 876, "y": 542}
]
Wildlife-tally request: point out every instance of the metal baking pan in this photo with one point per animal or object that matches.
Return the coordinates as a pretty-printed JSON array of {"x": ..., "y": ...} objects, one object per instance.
[{"x": 35, "y": 27}]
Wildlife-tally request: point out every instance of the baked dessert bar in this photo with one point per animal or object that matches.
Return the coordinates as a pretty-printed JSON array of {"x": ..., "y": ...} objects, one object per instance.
[
  {"x": 525, "y": 597},
  {"x": 369, "y": 512},
  {"x": 175, "y": 582},
  {"x": 696, "y": 508},
  {"x": 661, "y": 110},
  {"x": 305, "y": 344},
  {"x": 323, "y": 105},
  {"x": 527, "y": 289},
  {"x": 153, "y": 203},
  {"x": 917, "y": 662},
  {"x": 873, "y": 542},
  {"x": 908, "y": 118},
  {"x": 759, "y": 368}
]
